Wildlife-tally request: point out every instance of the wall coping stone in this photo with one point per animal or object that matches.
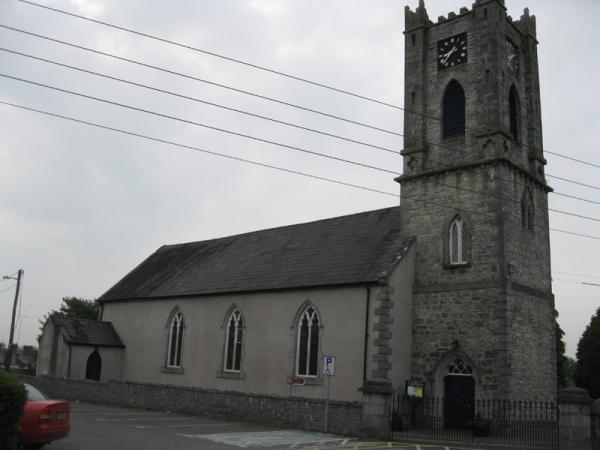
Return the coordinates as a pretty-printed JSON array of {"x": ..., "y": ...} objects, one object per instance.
[{"x": 574, "y": 395}]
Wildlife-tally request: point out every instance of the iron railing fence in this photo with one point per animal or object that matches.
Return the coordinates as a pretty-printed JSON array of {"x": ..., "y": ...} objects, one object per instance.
[{"x": 510, "y": 422}]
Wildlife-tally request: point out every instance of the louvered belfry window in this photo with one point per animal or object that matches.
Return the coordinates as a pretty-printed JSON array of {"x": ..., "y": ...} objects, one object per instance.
[
  {"x": 513, "y": 112},
  {"x": 453, "y": 110}
]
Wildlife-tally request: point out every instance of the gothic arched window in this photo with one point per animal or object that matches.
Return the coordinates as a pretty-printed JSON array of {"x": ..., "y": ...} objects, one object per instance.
[
  {"x": 458, "y": 367},
  {"x": 527, "y": 210},
  {"x": 458, "y": 242},
  {"x": 307, "y": 349},
  {"x": 175, "y": 340},
  {"x": 453, "y": 110},
  {"x": 513, "y": 113},
  {"x": 234, "y": 335}
]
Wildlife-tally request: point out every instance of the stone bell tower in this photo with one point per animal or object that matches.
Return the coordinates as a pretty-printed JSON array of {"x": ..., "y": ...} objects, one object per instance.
[{"x": 475, "y": 196}]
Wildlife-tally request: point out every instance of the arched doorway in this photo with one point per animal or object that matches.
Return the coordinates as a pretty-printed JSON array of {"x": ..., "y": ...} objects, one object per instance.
[
  {"x": 459, "y": 395},
  {"x": 94, "y": 366}
]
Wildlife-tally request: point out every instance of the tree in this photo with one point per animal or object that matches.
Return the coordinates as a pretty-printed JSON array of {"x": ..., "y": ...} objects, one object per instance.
[
  {"x": 562, "y": 360},
  {"x": 75, "y": 307},
  {"x": 587, "y": 370}
]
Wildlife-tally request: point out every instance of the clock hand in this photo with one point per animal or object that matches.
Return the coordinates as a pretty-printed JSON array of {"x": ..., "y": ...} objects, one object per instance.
[{"x": 448, "y": 55}]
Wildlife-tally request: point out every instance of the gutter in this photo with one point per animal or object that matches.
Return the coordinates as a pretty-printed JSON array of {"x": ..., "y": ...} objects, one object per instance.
[{"x": 366, "y": 332}]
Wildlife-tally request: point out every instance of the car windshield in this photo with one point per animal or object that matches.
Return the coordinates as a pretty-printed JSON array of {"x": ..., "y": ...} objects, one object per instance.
[{"x": 34, "y": 394}]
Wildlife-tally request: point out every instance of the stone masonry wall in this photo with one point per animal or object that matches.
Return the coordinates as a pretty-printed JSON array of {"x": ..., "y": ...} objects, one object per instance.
[
  {"x": 308, "y": 414},
  {"x": 533, "y": 348},
  {"x": 456, "y": 321}
]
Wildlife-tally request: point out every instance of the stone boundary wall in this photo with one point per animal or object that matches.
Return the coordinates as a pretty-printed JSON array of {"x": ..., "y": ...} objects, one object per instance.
[{"x": 307, "y": 414}]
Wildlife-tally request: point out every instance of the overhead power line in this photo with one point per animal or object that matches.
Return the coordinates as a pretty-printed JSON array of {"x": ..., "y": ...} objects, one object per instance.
[
  {"x": 216, "y": 55},
  {"x": 163, "y": 91},
  {"x": 256, "y": 163},
  {"x": 573, "y": 182},
  {"x": 586, "y": 283},
  {"x": 187, "y": 76},
  {"x": 203, "y": 125},
  {"x": 290, "y": 147},
  {"x": 8, "y": 288},
  {"x": 189, "y": 147},
  {"x": 201, "y": 80},
  {"x": 198, "y": 100},
  {"x": 576, "y": 274},
  {"x": 268, "y": 70}
]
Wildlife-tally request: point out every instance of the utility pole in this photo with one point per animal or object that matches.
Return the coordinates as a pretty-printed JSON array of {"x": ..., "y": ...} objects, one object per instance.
[{"x": 8, "y": 358}]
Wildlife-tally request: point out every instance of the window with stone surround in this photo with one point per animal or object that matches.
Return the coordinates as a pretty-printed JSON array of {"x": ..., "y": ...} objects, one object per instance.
[
  {"x": 307, "y": 346},
  {"x": 453, "y": 110},
  {"x": 234, "y": 335},
  {"x": 527, "y": 210},
  {"x": 459, "y": 248},
  {"x": 175, "y": 346}
]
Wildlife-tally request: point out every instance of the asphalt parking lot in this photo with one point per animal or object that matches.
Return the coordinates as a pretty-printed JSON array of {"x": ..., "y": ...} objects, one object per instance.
[{"x": 102, "y": 427}]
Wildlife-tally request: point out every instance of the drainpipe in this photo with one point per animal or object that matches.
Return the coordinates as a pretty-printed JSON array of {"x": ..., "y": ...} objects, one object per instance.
[{"x": 366, "y": 333}]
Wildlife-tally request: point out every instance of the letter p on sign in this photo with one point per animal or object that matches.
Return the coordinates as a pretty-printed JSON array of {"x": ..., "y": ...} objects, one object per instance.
[{"x": 329, "y": 365}]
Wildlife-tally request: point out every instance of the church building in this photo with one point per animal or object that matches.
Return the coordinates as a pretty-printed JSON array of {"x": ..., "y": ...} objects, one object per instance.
[{"x": 451, "y": 289}]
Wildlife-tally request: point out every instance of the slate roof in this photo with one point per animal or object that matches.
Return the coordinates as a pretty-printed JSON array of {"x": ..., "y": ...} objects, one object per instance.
[
  {"x": 87, "y": 332},
  {"x": 358, "y": 248}
]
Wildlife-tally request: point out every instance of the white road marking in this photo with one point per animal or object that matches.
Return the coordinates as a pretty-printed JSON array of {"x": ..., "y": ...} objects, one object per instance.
[
  {"x": 133, "y": 419},
  {"x": 197, "y": 425},
  {"x": 266, "y": 438}
]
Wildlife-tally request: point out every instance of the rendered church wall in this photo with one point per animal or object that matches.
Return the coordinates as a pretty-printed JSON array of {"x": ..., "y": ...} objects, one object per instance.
[
  {"x": 45, "y": 349},
  {"x": 112, "y": 362},
  {"x": 269, "y": 340}
]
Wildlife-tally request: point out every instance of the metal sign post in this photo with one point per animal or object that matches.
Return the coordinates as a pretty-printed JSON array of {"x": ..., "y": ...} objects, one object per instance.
[{"x": 328, "y": 371}]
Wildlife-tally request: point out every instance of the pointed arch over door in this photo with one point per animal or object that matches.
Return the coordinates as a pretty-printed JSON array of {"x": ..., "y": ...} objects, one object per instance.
[
  {"x": 453, "y": 110},
  {"x": 93, "y": 369}
]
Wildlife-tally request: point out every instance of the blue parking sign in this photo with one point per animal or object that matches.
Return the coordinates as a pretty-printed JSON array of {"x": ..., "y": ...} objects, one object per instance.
[{"x": 329, "y": 365}]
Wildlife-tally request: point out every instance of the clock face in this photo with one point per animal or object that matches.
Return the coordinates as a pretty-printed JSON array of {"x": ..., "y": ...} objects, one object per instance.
[
  {"x": 452, "y": 51},
  {"x": 512, "y": 58}
]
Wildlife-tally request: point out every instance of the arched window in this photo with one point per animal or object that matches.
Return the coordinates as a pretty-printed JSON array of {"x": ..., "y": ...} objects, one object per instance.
[
  {"x": 458, "y": 241},
  {"x": 234, "y": 334},
  {"x": 175, "y": 341},
  {"x": 453, "y": 110},
  {"x": 527, "y": 210},
  {"x": 513, "y": 113},
  {"x": 93, "y": 368},
  {"x": 307, "y": 350},
  {"x": 458, "y": 367}
]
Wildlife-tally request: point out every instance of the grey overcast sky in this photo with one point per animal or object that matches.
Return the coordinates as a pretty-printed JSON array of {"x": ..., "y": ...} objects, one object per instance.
[{"x": 80, "y": 207}]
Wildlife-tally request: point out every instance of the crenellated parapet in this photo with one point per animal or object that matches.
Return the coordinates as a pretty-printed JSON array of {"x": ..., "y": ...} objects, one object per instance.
[
  {"x": 417, "y": 18},
  {"x": 526, "y": 24}
]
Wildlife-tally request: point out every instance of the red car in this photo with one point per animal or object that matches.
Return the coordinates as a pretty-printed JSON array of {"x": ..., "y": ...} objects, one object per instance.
[{"x": 43, "y": 420}]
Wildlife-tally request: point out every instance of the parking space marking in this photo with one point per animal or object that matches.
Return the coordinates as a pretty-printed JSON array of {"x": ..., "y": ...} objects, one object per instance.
[
  {"x": 190, "y": 425},
  {"x": 267, "y": 438},
  {"x": 135, "y": 419},
  {"x": 384, "y": 445}
]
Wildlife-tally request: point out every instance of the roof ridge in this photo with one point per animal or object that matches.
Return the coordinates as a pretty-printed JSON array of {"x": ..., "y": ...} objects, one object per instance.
[
  {"x": 77, "y": 318},
  {"x": 281, "y": 227}
]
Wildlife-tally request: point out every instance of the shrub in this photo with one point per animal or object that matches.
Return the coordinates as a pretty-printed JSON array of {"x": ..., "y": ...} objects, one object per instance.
[{"x": 12, "y": 399}]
